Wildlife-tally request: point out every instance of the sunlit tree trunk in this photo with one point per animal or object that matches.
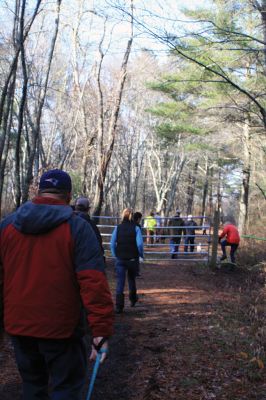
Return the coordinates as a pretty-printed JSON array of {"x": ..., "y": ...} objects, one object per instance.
[
  {"x": 22, "y": 105},
  {"x": 106, "y": 144},
  {"x": 246, "y": 171},
  {"x": 191, "y": 187},
  {"x": 205, "y": 191},
  {"x": 211, "y": 193},
  {"x": 35, "y": 122}
]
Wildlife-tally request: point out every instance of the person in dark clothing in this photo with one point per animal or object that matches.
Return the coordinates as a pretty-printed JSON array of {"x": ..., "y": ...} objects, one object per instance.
[
  {"x": 49, "y": 275},
  {"x": 127, "y": 248},
  {"x": 190, "y": 233},
  {"x": 82, "y": 208},
  {"x": 137, "y": 220},
  {"x": 176, "y": 223}
]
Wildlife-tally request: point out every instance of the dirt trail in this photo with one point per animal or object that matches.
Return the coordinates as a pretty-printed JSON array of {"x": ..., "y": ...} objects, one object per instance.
[{"x": 187, "y": 338}]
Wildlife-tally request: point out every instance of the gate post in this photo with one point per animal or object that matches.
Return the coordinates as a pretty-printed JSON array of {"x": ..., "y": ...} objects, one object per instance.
[{"x": 215, "y": 235}]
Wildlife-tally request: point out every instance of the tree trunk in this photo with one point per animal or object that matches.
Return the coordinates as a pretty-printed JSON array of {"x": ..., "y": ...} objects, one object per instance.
[
  {"x": 17, "y": 45},
  {"x": 211, "y": 193},
  {"x": 36, "y": 126},
  {"x": 168, "y": 207},
  {"x": 144, "y": 190},
  {"x": 21, "y": 108},
  {"x": 219, "y": 195},
  {"x": 139, "y": 161},
  {"x": 205, "y": 192},
  {"x": 215, "y": 235},
  {"x": 262, "y": 9},
  {"x": 6, "y": 103},
  {"x": 5, "y": 139},
  {"x": 105, "y": 152},
  {"x": 244, "y": 196},
  {"x": 191, "y": 188}
]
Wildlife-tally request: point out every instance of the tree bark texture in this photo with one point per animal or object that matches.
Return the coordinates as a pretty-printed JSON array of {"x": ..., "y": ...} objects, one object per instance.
[
  {"x": 191, "y": 187},
  {"x": 246, "y": 173},
  {"x": 36, "y": 125},
  {"x": 105, "y": 152}
]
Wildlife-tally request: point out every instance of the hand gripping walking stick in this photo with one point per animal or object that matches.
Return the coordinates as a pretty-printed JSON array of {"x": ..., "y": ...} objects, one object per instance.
[{"x": 96, "y": 366}]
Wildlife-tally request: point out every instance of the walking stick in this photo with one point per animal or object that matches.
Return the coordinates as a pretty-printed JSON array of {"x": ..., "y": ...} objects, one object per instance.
[{"x": 95, "y": 371}]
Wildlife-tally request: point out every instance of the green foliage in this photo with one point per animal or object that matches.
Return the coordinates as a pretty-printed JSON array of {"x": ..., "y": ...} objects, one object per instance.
[
  {"x": 170, "y": 131},
  {"x": 164, "y": 110},
  {"x": 171, "y": 110},
  {"x": 199, "y": 14},
  {"x": 218, "y": 80}
]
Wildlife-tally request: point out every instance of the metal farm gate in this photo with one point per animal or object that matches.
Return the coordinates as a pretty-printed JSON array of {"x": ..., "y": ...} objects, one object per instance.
[{"x": 160, "y": 250}]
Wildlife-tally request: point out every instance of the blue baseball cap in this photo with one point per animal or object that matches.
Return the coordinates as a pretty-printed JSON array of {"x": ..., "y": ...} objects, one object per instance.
[{"x": 56, "y": 179}]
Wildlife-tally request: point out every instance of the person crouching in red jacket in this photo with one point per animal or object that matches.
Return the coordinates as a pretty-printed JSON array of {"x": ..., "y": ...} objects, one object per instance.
[{"x": 232, "y": 239}]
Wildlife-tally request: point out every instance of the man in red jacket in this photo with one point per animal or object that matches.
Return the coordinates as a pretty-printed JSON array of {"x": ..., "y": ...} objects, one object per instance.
[
  {"x": 232, "y": 239},
  {"x": 53, "y": 270}
]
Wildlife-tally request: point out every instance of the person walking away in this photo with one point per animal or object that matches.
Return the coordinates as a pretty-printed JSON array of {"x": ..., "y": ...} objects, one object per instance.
[
  {"x": 150, "y": 226},
  {"x": 190, "y": 234},
  {"x": 127, "y": 248},
  {"x": 53, "y": 269},
  {"x": 82, "y": 208},
  {"x": 232, "y": 239},
  {"x": 137, "y": 216},
  {"x": 158, "y": 227},
  {"x": 176, "y": 223}
]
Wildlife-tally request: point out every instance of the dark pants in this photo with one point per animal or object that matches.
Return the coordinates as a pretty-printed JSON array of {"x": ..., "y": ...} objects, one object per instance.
[
  {"x": 233, "y": 246},
  {"x": 174, "y": 246},
  {"x": 190, "y": 240},
  {"x": 62, "y": 362},
  {"x": 150, "y": 236},
  {"x": 129, "y": 267}
]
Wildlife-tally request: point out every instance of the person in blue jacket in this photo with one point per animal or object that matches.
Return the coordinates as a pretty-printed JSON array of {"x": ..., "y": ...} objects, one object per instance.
[{"x": 127, "y": 248}]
